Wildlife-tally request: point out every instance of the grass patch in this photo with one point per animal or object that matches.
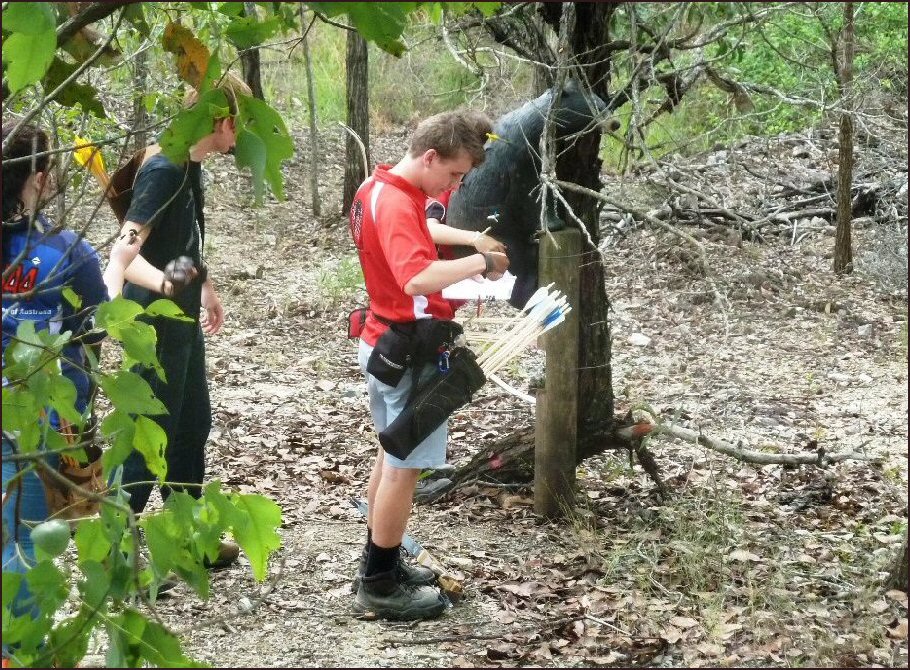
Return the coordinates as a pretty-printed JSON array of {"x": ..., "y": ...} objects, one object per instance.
[
  {"x": 424, "y": 81},
  {"x": 340, "y": 282}
]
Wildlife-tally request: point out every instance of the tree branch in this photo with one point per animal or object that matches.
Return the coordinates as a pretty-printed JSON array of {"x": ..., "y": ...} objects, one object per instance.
[
  {"x": 820, "y": 457},
  {"x": 66, "y": 82},
  {"x": 94, "y": 12}
]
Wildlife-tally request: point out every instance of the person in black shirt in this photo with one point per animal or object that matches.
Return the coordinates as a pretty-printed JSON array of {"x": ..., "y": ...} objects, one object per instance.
[{"x": 166, "y": 215}]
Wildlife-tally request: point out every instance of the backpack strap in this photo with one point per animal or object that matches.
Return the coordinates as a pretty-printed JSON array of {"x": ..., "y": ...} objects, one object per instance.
[
  {"x": 120, "y": 190},
  {"x": 195, "y": 177}
]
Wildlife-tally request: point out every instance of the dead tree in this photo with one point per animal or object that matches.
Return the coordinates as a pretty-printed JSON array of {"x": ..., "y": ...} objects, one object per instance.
[
  {"x": 250, "y": 60},
  {"x": 358, "y": 117},
  {"x": 897, "y": 574},
  {"x": 140, "y": 85},
  {"x": 843, "y": 244},
  {"x": 311, "y": 103}
]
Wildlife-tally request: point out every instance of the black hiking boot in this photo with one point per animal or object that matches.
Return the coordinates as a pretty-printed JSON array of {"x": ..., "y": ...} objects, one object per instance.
[
  {"x": 162, "y": 588},
  {"x": 383, "y": 596},
  {"x": 227, "y": 555},
  {"x": 411, "y": 575}
]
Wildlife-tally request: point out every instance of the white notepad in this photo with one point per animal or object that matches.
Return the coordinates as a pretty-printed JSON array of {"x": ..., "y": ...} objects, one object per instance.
[{"x": 468, "y": 289}]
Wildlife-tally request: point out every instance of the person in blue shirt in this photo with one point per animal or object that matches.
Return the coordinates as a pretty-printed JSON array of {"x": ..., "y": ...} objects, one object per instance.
[{"x": 40, "y": 260}]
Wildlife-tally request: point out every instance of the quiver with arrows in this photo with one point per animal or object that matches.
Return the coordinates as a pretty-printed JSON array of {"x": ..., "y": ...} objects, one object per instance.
[{"x": 434, "y": 400}]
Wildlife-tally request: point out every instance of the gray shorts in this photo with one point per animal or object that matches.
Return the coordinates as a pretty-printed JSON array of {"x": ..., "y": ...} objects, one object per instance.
[{"x": 386, "y": 402}]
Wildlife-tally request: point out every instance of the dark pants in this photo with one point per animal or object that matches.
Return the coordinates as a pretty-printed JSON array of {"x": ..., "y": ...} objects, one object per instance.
[{"x": 181, "y": 352}]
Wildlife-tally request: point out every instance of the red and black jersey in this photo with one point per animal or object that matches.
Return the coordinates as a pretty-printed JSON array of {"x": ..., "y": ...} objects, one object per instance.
[{"x": 389, "y": 229}]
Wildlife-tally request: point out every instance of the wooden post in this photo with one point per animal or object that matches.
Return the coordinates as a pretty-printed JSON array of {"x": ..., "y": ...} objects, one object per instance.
[{"x": 556, "y": 424}]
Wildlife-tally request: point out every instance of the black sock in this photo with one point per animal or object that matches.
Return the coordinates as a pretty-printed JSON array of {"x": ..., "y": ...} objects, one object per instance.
[
  {"x": 366, "y": 547},
  {"x": 381, "y": 559}
]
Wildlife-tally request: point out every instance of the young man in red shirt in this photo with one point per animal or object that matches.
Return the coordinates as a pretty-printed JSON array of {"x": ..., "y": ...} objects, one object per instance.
[{"x": 404, "y": 279}]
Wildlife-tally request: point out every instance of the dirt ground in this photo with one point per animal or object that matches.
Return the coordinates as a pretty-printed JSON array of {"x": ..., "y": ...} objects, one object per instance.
[{"x": 743, "y": 566}]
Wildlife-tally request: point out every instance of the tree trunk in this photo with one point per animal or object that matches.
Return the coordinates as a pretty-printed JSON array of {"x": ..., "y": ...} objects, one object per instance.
[
  {"x": 897, "y": 575},
  {"x": 843, "y": 244},
  {"x": 311, "y": 102},
  {"x": 580, "y": 163},
  {"x": 358, "y": 117},
  {"x": 249, "y": 60},
  {"x": 140, "y": 86}
]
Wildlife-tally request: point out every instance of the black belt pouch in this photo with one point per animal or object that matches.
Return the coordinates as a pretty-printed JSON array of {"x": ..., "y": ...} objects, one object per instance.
[{"x": 391, "y": 357}]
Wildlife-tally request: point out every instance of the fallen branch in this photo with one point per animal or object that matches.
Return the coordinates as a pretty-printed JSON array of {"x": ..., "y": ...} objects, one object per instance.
[
  {"x": 511, "y": 458},
  {"x": 819, "y": 457}
]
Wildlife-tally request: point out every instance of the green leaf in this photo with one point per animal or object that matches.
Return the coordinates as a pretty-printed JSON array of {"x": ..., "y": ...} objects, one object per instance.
[
  {"x": 22, "y": 352},
  {"x": 212, "y": 73},
  {"x": 250, "y": 152},
  {"x": 160, "y": 535},
  {"x": 231, "y": 8},
  {"x": 265, "y": 123},
  {"x": 48, "y": 585},
  {"x": 118, "y": 428},
  {"x": 135, "y": 640},
  {"x": 28, "y": 18},
  {"x": 69, "y": 640},
  {"x": 92, "y": 544},
  {"x": 256, "y": 530},
  {"x": 163, "y": 648},
  {"x": 379, "y": 22},
  {"x": 487, "y": 8},
  {"x": 20, "y": 407},
  {"x": 130, "y": 393},
  {"x": 72, "y": 297},
  {"x": 224, "y": 508},
  {"x": 116, "y": 313},
  {"x": 134, "y": 13},
  {"x": 83, "y": 94},
  {"x": 150, "y": 441},
  {"x": 61, "y": 396},
  {"x": 139, "y": 341},
  {"x": 248, "y": 31},
  {"x": 167, "y": 308},
  {"x": 191, "y": 125},
  {"x": 434, "y": 12},
  {"x": 11, "y": 583},
  {"x": 149, "y": 100},
  {"x": 97, "y": 584},
  {"x": 114, "y": 521},
  {"x": 27, "y": 58}
]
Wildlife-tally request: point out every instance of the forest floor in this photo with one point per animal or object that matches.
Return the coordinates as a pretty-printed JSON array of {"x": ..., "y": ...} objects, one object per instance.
[{"x": 742, "y": 566}]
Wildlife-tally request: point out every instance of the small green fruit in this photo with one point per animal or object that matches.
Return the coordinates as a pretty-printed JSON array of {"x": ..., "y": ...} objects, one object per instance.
[{"x": 51, "y": 537}]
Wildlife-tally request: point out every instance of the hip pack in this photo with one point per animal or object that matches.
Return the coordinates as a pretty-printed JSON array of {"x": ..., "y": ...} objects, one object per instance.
[{"x": 411, "y": 344}]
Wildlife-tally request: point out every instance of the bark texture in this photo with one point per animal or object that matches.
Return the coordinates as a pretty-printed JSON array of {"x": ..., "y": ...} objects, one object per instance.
[{"x": 358, "y": 117}]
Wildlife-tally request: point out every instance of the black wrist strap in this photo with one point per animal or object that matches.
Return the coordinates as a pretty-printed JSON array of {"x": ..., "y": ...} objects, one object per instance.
[{"x": 488, "y": 259}]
